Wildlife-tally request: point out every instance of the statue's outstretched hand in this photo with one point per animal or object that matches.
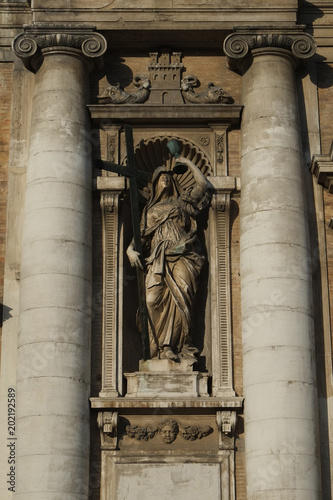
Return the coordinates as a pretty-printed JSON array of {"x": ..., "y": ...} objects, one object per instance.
[
  {"x": 182, "y": 159},
  {"x": 134, "y": 257}
]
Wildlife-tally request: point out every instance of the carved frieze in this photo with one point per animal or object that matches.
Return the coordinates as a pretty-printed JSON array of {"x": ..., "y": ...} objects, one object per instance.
[
  {"x": 168, "y": 430},
  {"x": 165, "y": 86},
  {"x": 141, "y": 433},
  {"x": 213, "y": 94},
  {"x": 192, "y": 432}
]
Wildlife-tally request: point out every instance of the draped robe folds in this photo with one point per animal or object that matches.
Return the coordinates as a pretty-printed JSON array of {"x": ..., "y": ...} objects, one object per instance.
[{"x": 173, "y": 268}]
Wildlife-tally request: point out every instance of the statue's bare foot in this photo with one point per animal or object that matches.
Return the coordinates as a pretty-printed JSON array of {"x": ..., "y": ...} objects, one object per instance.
[{"x": 169, "y": 354}]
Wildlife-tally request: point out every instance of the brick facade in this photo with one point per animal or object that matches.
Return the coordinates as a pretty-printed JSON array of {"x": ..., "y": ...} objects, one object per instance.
[{"x": 209, "y": 65}]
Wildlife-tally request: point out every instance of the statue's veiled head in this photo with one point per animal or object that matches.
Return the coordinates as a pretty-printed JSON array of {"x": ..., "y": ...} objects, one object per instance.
[{"x": 163, "y": 182}]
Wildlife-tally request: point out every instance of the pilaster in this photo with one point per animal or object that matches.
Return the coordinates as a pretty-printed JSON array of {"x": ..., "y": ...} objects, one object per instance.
[
  {"x": 220, "y": 294},
  {"x": 112, "y": 368},
  {"x": 278, "y": 336}
]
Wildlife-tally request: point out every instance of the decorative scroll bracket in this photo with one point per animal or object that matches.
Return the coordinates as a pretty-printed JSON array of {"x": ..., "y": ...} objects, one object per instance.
[
  {"x": 322, "y": 169},
  {"x": 226, "y": 424},
  {"x": 107, "y": 422}
]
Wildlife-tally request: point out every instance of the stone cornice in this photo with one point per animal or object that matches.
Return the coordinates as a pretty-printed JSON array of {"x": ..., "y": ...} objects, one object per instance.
[
  {"x": 163, "y": 113},
  {"x": 38, "y": 39},
  {"x": 209, "y": 403},
  {"x": 249, "y": 41}
]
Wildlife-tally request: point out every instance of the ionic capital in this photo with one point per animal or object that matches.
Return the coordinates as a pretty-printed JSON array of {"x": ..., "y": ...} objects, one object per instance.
[
  {"x": 246, "y": 42},
  {"x": 39, "y": 39}
]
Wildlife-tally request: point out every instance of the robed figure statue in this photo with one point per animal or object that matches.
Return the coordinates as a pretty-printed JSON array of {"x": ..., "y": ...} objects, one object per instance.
[{"x": 174, "y": 259}]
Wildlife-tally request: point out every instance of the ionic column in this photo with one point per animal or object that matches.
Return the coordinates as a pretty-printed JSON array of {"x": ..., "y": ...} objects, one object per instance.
[
  {"x": 282, "y": 456},
  {"x": 53, "y": 382}
]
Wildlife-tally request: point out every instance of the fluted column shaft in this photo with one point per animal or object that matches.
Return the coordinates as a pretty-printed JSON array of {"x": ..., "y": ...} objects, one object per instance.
[
  {"x": 53, "y": 383},
  {"x": 282, "y": 456}
]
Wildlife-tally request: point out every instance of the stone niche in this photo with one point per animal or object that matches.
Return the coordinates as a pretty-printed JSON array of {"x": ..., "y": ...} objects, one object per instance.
[
  {"x": 165, "y": 424},
  {"x": 211, "y": 326}
]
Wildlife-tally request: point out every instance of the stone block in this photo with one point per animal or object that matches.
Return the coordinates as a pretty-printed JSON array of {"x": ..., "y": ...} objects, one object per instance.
[
  {"x": 177, "y": 383},
  {"x": 175, "y": 480}
]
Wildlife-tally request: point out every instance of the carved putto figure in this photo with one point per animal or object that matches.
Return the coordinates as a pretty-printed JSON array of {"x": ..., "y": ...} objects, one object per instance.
[{"x": 174, "y": 261}]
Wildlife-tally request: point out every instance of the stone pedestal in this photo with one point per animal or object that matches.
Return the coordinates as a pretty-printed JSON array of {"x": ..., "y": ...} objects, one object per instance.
[
  {"x": 164, "y": 378},
  {"x": 161, "y": 441},
  {"x": 278, "y": 337},
  {"x": 53, "y": 381}
]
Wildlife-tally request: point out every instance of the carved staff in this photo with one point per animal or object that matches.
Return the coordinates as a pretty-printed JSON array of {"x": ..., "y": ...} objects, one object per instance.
[{"x": 133, "y": 174}]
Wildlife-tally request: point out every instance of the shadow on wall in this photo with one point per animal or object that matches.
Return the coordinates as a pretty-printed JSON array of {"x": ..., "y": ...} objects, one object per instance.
[
  {"x": 114, "y": 71},
  {"x": 324, "y": 77},
  {"x": 4, "y": 313},
  {"x": 308, "y": 14}
]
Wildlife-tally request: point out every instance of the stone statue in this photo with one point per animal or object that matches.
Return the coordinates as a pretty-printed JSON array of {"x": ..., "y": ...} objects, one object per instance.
[{"x": 174, "y": 260}]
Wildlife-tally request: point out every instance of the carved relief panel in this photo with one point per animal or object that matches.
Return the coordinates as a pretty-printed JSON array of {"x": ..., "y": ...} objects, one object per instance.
[{"x": 186, "y": 459}]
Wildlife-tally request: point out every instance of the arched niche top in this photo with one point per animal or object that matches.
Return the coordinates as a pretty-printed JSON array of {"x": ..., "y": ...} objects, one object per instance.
[{"x": 153, "y": 152}]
